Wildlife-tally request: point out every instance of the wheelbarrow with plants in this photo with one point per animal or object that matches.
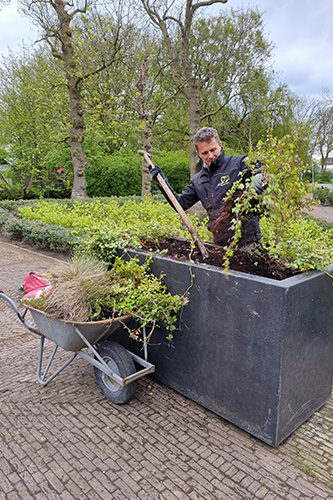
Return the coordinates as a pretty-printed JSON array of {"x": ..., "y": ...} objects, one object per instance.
[{"x": 116, "y": 369}]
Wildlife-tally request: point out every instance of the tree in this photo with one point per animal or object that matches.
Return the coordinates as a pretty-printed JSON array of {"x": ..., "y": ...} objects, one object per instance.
[
  {"x": 323, "y": 126},
  {"x": 116, "y": 104},
  {"x": 116, "y": 85},
  {"x": 241, "y": 85},
  {"x": 216, "y": 61},
  {"x": 109, "y": 36},
  {"x": 131, "y": 96},
  {"x": 152, "y": 97},
  {"x": 32, "y": 119},
  {"x": 55, "y": 19},
  {"x": 119, "y": 101},
  {"x": 175, "y": 22}
]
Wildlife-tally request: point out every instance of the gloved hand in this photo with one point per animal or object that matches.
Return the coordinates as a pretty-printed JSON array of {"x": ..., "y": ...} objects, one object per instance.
[
  {"x": 259, "y": 183},
  {"x": 154, "y": 171}
]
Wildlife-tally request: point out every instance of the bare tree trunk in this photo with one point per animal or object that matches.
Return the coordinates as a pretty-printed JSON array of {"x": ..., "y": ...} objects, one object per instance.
[
  {"x": 79, "y": 159},
  {"x": 74, "y": 84},
  {"x": 195, "y": 123},
  {"x": 147, "y": 134},
  {"x": 163, "y": 14}
]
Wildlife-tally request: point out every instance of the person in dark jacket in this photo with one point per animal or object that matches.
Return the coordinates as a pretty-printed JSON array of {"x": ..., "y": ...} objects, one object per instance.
[{"x": 211, "y": 184}]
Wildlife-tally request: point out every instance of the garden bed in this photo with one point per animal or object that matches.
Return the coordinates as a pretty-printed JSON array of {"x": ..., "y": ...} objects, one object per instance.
[{"x": 258, "y": 263}]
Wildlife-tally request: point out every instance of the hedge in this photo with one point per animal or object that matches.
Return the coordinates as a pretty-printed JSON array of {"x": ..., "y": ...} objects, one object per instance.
[
  {"x": 55, "y": 238},
  {"x": 120, "y": 174}
]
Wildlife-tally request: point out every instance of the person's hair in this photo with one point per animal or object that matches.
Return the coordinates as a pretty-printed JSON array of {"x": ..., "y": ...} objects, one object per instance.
[{"x": 206, "y": 134}]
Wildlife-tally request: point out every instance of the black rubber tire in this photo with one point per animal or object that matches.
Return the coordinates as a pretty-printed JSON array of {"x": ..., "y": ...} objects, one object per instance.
[{"x": 120, "y": 361}]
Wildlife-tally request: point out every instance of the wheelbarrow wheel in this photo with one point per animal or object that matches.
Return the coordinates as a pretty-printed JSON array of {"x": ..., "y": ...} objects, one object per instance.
[{"x": 119, "y": 361}]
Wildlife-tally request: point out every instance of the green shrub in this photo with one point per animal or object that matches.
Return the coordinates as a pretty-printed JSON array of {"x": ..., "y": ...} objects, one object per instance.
[
  {"x": 325, "y": 177},
  {"x": 13, "y": 206},
  {"x": 303, "y": 244},
  {"x": 321, "y": 193},
  {"x": 116, "y": 175},
  {"x": 292, "y": 240},
  {"x": 55, "y": 238},
  {"x": 120, "y": 174},
  {"x": 330, "y": 197},
  {"x": 325, "y": 225},
  {"x": 102, "y": 228},
  {"x": 104, "y": 243},
  {"x": 4, "y": 216},
  {"x": 144, "y": 295},
  {"x": 176, "y": 167}
]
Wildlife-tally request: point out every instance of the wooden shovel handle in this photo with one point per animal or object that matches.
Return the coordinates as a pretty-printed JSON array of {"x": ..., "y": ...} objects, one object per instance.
[{"x": 177, "y": 206}]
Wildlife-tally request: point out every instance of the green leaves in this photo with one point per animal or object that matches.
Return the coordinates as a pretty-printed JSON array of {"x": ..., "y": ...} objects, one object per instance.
[
  {"x": 289, "y": 237},
  {"x": 120, "y": 174},
  {"x": 143, "y": 295},
  {"x": 46, "y": 236},
  {"x": 32, "y": 103},
  {"x": 103, "y": 227},
  {"x": 301, "y": 244}
]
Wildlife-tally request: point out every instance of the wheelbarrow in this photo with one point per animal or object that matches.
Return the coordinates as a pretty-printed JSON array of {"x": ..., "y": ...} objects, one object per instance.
[{"x": 116, "y": 369}]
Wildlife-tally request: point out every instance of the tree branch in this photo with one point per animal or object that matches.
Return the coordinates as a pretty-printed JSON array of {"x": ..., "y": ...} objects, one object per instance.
[{"x": 207, "y": 4}]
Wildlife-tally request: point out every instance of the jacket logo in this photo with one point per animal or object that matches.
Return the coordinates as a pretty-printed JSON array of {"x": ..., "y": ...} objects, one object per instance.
[{"x": 225, "y": 179}]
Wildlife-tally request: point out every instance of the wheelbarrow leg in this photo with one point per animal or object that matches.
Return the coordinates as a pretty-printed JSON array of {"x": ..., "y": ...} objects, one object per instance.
[{"x": 41, "y": 377}]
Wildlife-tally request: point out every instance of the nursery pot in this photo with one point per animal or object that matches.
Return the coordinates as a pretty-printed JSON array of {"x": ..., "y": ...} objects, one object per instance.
[{"x": 256, "y": 351}]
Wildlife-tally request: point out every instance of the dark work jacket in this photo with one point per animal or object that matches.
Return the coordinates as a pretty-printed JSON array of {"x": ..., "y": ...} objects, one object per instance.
[{"x": 210, "y": 186}]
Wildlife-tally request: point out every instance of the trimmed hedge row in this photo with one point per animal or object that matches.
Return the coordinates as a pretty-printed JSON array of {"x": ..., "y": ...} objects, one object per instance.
[
  {"x": 55, "y": 238},
  {"x": 12, "y": 206},
  {"x": 48, "y": 236},
  {"x": 120, "y": 174},
  {"x": 69, "y": 226}
]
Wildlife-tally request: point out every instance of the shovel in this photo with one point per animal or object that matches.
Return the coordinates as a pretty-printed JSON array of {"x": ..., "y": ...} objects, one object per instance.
[{"x": 176, "y": 205}]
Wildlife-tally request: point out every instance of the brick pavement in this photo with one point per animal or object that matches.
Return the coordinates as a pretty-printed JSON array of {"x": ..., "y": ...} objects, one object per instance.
[
  {"x": 322, "y": 212},
  {"x": 66, "y": 441}
]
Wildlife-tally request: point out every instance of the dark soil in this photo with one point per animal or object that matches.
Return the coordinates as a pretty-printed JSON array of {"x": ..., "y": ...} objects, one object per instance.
[{"x": 257, "y": 262}]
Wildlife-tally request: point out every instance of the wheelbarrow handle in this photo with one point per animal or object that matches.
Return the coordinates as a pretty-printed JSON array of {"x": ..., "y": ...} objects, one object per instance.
[{"x": 20, "y": 316}]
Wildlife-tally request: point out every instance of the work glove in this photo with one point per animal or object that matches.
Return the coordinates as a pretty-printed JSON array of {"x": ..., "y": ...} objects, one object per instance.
[
  {"x": 259, "y": 183},
  {"x": 154, "y": 171}
]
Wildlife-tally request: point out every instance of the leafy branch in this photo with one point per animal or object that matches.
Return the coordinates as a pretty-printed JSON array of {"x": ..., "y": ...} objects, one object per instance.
[{"x": 281, "y": 206}]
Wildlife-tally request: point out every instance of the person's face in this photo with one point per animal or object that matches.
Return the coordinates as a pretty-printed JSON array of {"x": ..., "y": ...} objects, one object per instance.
[{"x": 209, "y": 151}]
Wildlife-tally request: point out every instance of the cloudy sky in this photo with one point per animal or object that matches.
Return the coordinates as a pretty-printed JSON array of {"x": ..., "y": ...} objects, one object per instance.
[{"x": 301, "y": 30}]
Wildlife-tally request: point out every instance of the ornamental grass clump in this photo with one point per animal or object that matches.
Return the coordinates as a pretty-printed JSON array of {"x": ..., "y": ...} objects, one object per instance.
[{"x": 79, "y": 287}]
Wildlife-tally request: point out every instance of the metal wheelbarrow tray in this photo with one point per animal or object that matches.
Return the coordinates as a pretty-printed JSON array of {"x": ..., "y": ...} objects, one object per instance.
[{"x": 115, "y": 367}]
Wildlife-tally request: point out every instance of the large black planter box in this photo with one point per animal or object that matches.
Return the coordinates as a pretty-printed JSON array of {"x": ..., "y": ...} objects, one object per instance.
[{"x": 256, "y": 351}]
